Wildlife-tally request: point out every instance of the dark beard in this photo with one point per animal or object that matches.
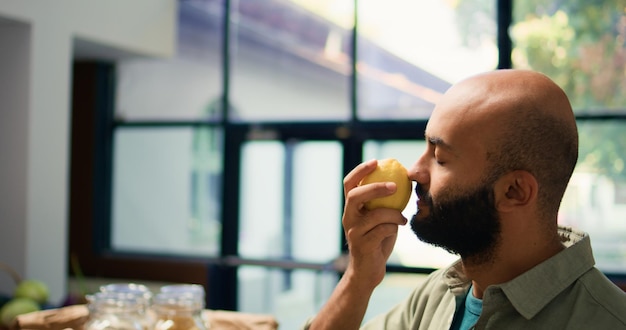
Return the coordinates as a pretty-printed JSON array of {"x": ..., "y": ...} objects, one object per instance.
[{"x": 466, "y": 224}]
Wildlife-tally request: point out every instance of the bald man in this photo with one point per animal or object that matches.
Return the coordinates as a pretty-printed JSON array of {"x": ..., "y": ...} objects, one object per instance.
[{"x": 502, "y": 147}]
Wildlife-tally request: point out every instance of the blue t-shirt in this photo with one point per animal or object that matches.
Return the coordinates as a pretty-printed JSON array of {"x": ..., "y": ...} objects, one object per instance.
[{"x": 468, "y": 313}]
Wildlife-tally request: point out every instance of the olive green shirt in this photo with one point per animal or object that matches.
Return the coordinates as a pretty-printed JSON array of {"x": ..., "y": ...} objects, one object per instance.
[{"x": 563, "y": 292}]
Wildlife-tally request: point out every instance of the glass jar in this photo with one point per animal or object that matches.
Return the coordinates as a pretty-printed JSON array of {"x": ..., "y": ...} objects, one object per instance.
[
  {"x": 179, "y": 310},
  {"x": 135, "y": 289},
  {"x": 114, "y": 311},
  {"x": 194, "y": 289},
  {"x": 140, "y": 292}
]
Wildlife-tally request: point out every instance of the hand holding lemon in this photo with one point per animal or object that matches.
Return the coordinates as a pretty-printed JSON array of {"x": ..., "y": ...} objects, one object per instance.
[{"x": 389, "y": 170}]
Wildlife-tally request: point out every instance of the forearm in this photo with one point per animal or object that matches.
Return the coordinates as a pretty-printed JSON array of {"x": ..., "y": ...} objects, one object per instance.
[
  {"x": 371, "y": 235},
  {"x": 345, "y": 308}
]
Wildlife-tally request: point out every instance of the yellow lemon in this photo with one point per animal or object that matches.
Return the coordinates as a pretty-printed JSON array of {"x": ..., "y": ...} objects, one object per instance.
[{"x": 390, "y": 170}]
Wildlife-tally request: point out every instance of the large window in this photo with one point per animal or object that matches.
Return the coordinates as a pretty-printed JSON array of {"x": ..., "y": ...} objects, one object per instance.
[{"x": 231, "y": 154}]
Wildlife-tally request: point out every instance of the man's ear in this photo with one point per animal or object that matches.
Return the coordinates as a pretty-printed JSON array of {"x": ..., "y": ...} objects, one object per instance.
[{"x": 515, "y": 189}]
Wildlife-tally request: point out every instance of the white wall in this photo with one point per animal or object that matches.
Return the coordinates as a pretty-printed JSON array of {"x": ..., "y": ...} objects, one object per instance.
[
  {"x": 14, "y": 42},
  {"x": 37, "y": 46}
]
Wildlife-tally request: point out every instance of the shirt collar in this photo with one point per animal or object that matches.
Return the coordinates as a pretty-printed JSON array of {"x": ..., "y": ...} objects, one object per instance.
[{"x": 533, "y": 290}]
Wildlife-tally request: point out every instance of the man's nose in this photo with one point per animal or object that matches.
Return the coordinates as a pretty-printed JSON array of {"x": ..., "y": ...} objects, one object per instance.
[{"x": 419, "y": 171}]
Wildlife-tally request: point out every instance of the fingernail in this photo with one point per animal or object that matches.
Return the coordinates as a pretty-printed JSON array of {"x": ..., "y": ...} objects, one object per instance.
[{"x": 390, "y": 186}]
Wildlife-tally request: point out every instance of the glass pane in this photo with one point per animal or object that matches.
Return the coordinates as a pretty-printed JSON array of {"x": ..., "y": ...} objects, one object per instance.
[
  {"x": 290, "y": 296},
  {"x": 409, "y": 52},
  {"x": 167, "y": 190},
  {"x": 290, "y": 197},
  {"x": 595, "y": 200},
  {"x": 580, "y": 44},
  {"x": 290, "y": 62},
  {"x": 408, "y": 251},
  {"x": 185, "y": 87}
]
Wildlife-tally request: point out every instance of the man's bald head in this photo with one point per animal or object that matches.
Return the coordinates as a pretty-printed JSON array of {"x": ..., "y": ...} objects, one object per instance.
[{"x": 526, "y": 123}]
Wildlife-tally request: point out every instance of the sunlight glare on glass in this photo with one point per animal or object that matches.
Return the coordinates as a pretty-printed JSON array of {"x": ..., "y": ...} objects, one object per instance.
[
  {"x": 426, "y": 33},
  {"x": 340, "y": 12}
]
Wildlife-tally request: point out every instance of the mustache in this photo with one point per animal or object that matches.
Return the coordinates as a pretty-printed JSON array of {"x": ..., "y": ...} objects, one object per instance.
[{"x": 422, "y": 195}]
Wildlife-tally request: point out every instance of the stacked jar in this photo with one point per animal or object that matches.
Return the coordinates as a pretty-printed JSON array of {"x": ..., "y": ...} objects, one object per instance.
[
  {"x": 115, "y": 311},
  {"x": 179, "y": 307}
]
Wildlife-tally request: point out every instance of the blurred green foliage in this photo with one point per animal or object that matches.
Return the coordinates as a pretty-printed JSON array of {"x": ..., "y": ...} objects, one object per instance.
[{"x": 581, "y": 45}]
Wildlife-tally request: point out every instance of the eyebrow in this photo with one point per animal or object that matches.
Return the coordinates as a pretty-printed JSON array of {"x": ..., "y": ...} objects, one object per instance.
[{"x": 439, "y": 142}]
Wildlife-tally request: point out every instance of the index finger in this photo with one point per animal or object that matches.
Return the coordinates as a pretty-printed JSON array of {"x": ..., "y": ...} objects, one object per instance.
[{"x": 352, "y": 179}]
